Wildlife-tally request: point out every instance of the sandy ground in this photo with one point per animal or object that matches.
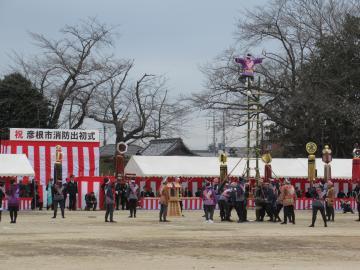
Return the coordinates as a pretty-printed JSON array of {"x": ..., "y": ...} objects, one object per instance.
[{"x": 84, "y": 241}]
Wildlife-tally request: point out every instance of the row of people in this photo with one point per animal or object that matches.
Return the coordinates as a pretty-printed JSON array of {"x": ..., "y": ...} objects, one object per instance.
[{"x": 269, "y": 199}]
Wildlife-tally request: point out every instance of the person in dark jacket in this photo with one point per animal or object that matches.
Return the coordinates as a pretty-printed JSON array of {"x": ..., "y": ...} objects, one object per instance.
[
  {"x": 59, "y": 199},
  {"x": 260, "y": 201},
  {"x": 72, "y": 190},
  {"x": 90, "y": 201},
  {"x": 270, "y": 201},
  {"x": 240, "y": 200},
  {"x": 109, "y": 200},
  {"x": 118, "y": 192}
]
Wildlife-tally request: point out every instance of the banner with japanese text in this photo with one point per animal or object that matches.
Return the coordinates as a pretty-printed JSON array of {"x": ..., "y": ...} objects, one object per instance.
[{"x": 68, "y": 135}]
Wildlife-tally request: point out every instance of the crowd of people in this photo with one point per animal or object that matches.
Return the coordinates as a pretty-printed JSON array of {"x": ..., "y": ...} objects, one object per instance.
[{"x": 270, "y": 198}]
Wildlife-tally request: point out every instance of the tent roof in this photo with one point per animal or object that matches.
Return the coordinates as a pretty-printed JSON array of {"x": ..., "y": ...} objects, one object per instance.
[
  {"x": 209, "y": 166},
  {"x": 15, "y": 165}
]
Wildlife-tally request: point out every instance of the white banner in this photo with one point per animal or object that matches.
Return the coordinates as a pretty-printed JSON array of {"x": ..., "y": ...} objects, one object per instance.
[{"x": 68, "y": 135}]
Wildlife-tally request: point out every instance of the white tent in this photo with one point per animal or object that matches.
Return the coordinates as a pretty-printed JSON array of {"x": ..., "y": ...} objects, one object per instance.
[
  {"x": 15, "y": 165},
  {"x": 209, "y": 166}
]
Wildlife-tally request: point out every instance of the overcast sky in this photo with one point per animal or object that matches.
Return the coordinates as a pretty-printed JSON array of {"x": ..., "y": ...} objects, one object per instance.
[{"x": 170, "y": 37}]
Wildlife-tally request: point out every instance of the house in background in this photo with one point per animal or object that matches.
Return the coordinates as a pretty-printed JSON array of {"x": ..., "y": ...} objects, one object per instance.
[{"x": 167, "y": 147}]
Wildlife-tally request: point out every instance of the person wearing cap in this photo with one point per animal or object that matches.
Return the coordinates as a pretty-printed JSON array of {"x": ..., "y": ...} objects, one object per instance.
[
  {"x": 58, "y": 199},
  {"x": 209, "y": 200},
  {"x": 132, "y": 194},
  {"x": 318, "y": 194},
  {"x": 109, "y": 200},
  {"x": 164, "y": 200},
  {"x": 357, "y": 197},
  {"x": 330, "y": 198},
  {"x": 288, "y": 197}
]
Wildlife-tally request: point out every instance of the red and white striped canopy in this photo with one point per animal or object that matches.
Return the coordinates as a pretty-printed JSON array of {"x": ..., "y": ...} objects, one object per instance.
[{"x": 79, "y": 158}]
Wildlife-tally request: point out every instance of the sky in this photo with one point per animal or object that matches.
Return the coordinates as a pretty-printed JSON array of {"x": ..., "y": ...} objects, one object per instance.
[{"x": 165, "y": 37}]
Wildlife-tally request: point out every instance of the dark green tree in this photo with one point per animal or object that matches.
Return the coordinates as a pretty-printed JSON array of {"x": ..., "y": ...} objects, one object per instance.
[
  {"x": 325, "y": 109},
  {"x": 21, "y": 104}
]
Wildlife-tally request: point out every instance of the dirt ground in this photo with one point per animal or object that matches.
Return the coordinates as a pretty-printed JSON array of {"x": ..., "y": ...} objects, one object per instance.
[{"x": 84, "y": 241}]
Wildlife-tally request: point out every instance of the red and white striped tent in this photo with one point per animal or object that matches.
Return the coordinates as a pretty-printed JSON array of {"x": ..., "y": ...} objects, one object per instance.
[{"x": 80, "y": 151}]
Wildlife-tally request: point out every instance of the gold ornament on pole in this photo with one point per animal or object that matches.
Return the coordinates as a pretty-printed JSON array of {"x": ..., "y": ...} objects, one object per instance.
[
  {"x": 311, "y": 148},
  {"x": 266, "y": 158},
  {"x": 58, "y": 163}
]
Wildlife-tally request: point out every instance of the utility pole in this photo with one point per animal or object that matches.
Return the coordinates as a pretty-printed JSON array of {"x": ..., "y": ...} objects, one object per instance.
[
  {"x": 223, "y": 130},
  {"x": 214, "y": 134},
  {"x": 257, "y": 149},
  {"x": 104, "y": 139},
  {"x": 248, "y": 130}
]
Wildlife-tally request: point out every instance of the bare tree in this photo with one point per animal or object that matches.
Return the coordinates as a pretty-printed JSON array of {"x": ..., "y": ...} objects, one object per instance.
[
  {"x": 71, "y": 69},
  {"x": 293, "y": 28},
  {"x": 136, "y": 110}
]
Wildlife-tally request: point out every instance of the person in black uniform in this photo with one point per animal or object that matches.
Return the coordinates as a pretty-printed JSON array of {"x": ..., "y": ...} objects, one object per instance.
[
  {"x": 270, "y": 201},
  {"x": 91, "y": 201},
  {"x": 72, "y": 190},
  {"x": 260, "y": 201},
  {"x": 123, "y": 198},
  {"x": 118, "y": 192}
]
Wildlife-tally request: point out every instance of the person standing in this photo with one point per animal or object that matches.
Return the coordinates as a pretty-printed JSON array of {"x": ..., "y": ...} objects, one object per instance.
[
  {"x": 288, "y": 197},
  {"x": 318, "y": 194},
  {"x": 109, "y": 200},
  {"x": 49, "y": 195},
  {"x": 278, "y": 204},
  {"x": 269, "y": 201},
  {"x": 118, "y": 192},
  {"x": 132, "y": 195},
  {"x": 164, "y": 200},
  {"x": 123, "y": 199},
  {"x": 59, "y": 199},
  {"x": 72, "y": 190},
  {"x": 2, "y": 196},
  {"x": 13, "y": 200},
  {"x": 209, "y": 200},
  {"x": 357, "y": 197},
  {"x": 34, "y": 194},
  {"x": 260, "y": 201},
  {"x": 178, "y": 181},
  {"x": 240, "y": 200},
  {"x": 330, "y": 198},
  {"x": 224, "y": 203}
]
